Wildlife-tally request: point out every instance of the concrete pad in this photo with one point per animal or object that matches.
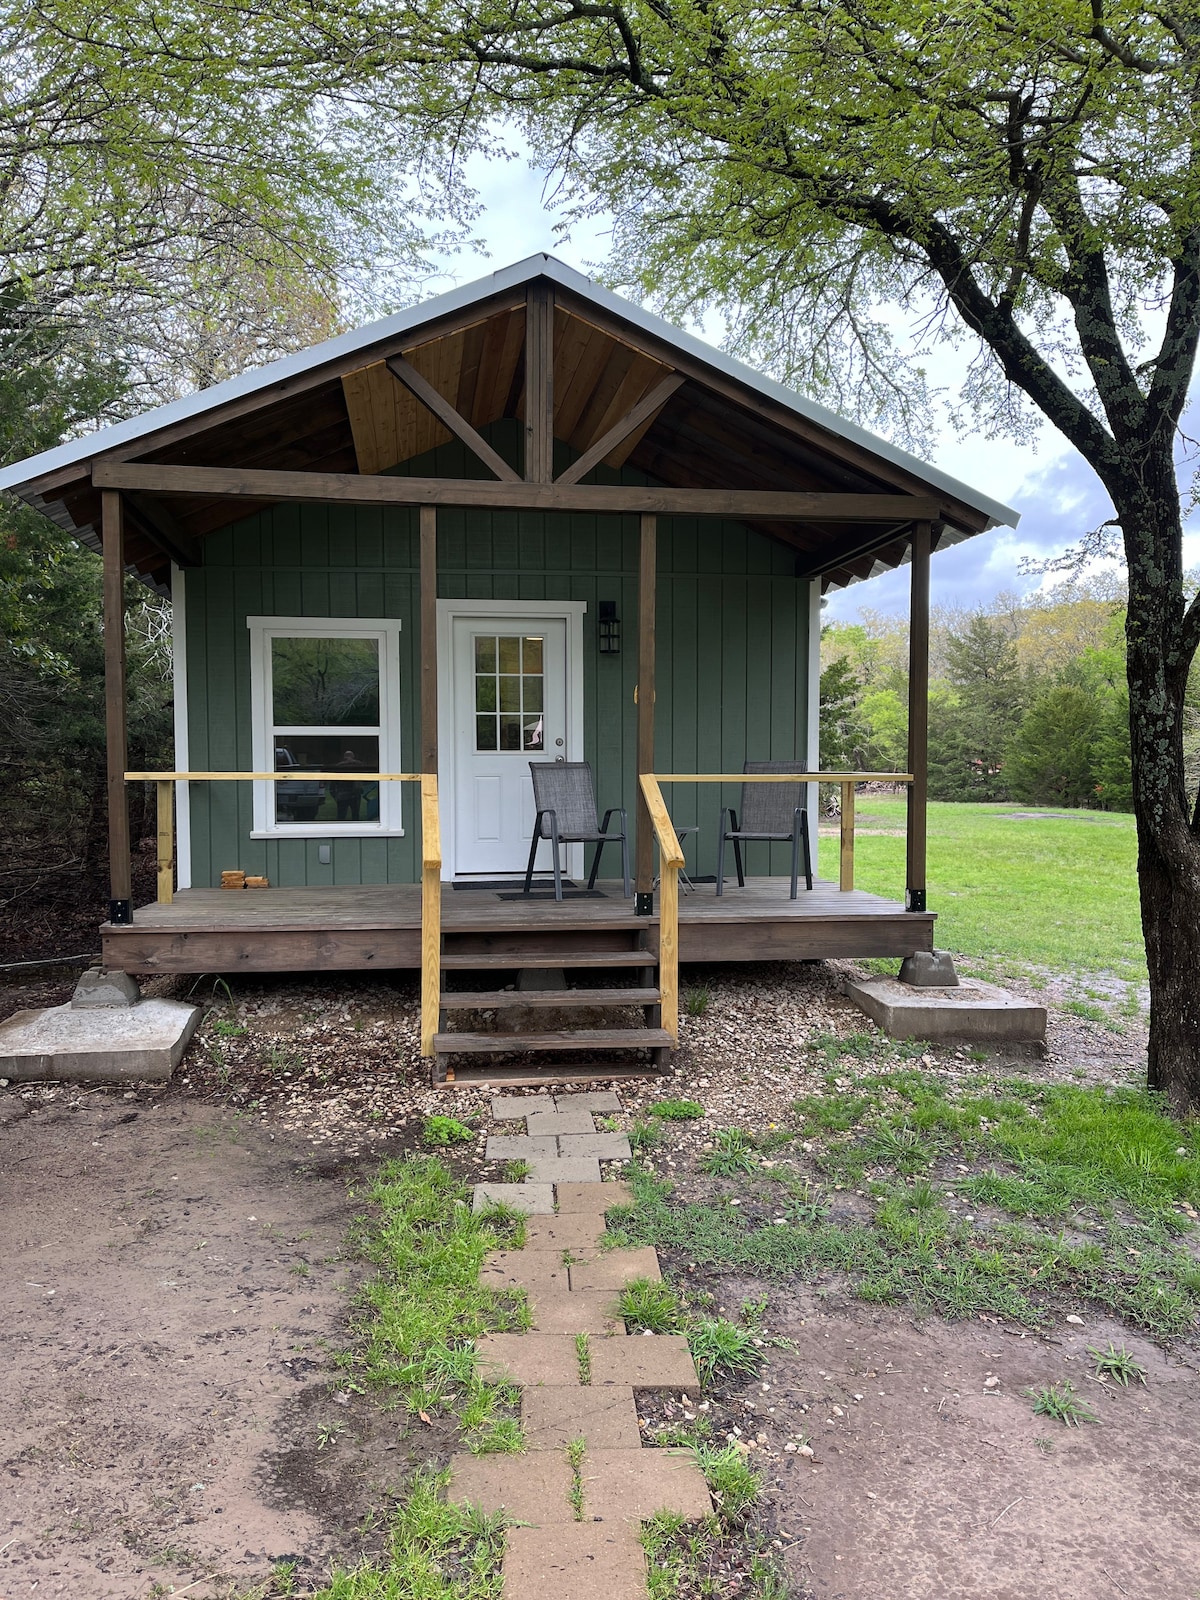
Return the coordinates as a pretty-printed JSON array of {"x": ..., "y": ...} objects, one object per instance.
[
  {"x": 515, "y": 1107},
  {"x": 528, "y": 1358},
  {"x": 596, "y": 1197},
  {"x": 604, "y": 1146},
  {"x": 611, "y": 1270},
  {"x": 631, "y": 1485},
  {"x": 516, "y": 1147},
  {"x": 604, "y": 1561},
  {"x": 578, "y": 1230},
  {"x": 531, "y": 1488},
  {"x": 591, "y": 1100},
  {"x": 645, "y": 1361},
  {"x": 532, "y": 1199},
  {"x": 552, "y": 1311},
  {"x": 524, "y": 1269},
  {"x": 973, "y": 1011},
  {"x": 605, "y": 1418},
  {"x": 556, "y": 1123},
  {"x": 572, "y": 1169},
  {"x": 126, "y": 1044}
]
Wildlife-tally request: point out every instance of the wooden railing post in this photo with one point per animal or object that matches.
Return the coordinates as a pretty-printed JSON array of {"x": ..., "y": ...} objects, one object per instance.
[
  {"x": 166, "y": 841},
  {"x": 846, "y": 853},
  {"x": 431, "y": 911},
  {"x": 670, "y": 859}
]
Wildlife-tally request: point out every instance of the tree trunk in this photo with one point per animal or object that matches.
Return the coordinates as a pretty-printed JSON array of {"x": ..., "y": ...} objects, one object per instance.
[{"x": 1168, "y": 848}]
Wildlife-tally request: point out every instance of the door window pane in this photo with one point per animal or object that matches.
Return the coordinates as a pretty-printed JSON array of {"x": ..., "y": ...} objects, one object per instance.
[
  {"x": 330, "y": 683},
  {"x": 509, "y": 690}
]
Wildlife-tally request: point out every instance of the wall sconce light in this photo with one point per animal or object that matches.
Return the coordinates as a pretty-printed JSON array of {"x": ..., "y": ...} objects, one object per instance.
[{"x": 609, "y": 629}]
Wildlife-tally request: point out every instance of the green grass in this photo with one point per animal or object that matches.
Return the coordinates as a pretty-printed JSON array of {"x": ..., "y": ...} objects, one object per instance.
[
  {"x": 1110, "y": 1166},
  {"x": 676, "y": 1110},
  {"x": 442, "y": 1131},
  {"x": 416, "y": 1320},
  {"x": 1058, "y": 1400},
  {"x": 435, "y": 1551},
  {"x": 683, "y": 1560},
  {"x": 1058, "y": 892}
]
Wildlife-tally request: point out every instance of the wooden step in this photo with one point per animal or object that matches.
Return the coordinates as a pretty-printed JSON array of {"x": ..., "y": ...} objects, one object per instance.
[
  {"x": 542, "y": 1074},
  {"x": 507, "y": 999},
  {"x": 580, "y": 1039},
  {"x": 481, "y": 960}
]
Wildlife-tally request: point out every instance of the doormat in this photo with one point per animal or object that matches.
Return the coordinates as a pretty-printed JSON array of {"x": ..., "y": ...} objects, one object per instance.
[
  {"x": 548, "y": 894},
  {"x": 505, "y": 883}
]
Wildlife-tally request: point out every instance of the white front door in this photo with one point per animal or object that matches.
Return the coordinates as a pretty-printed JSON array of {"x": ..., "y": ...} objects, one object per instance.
[{"x": 511, "y": 702}]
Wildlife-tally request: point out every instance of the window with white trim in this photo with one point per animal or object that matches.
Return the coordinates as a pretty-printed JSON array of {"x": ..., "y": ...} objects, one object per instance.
[{"x": 326, "y": 698}]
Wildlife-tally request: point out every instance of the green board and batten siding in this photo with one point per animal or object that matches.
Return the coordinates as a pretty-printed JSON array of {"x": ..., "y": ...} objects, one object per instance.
[{"x": 732, "y": 653}]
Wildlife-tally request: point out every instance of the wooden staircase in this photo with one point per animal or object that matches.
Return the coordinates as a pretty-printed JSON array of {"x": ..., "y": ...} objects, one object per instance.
[{"x": 592, "y": 1052}]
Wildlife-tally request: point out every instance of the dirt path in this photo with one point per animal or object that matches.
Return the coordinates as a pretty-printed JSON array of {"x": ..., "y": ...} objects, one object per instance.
[{"x": 168, "y": 1272}]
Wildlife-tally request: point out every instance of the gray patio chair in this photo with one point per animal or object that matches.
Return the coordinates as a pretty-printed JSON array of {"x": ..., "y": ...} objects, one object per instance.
[
  {"x": 565, "y": 799},
  {"x": 773, "y": 812}
]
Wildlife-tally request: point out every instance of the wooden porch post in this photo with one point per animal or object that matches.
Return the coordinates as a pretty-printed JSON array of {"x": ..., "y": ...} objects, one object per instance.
[
  {"x": 120, "y": 905},
  {"x": 918, "y": 716},
  {"x": 539, "y": 383},
  {"x": 429, "y": 653},
  {"x": 643, "y": 903}
]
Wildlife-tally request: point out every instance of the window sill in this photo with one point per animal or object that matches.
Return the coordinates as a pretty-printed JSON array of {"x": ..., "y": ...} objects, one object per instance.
[{"x": 327, "y": 835}]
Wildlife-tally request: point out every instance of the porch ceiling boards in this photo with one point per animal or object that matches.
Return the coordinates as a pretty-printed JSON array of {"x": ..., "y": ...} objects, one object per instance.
[
  {"x": 327, "y": 929},
  {"x": 699, "y": 427}
]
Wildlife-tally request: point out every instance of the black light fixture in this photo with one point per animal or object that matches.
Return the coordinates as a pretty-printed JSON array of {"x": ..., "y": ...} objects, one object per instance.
[{"x": 609, "y": 630}]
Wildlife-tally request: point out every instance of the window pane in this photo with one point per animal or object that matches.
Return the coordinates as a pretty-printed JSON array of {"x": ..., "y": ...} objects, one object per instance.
[
  {"x": 510, "y": 654},
  {"x": 531, "y": 655},
  {"x": 485, "y": 733},
  {"x": 485, "y": 655},
  {"x": 510, "y": 733},
  {"x": 485, "y": 694},
  {"x": 533, "y": 733},
  {"x": 533, "y": 694},
  {"x": 348, "y": 800},
  {"x": 325, "y": 682},
  {"x": 510, "y": 694}
]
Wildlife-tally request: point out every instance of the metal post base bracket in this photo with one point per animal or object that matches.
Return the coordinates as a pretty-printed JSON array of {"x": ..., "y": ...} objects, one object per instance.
[
  {"x": 120, "y": 912},
  {"x": 643, "y": 903},
  {"x": 914, "y": 900}
]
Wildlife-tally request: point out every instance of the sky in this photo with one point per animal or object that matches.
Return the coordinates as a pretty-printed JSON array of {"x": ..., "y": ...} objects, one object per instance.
[{"x": 1056, "y": 493}]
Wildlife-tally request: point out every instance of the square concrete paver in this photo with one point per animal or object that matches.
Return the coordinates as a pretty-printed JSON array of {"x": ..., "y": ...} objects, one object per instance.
[
  {"x": 577, "y": 1230},
  {"x": 555, "y": 1312},
  {"x": 597, "y": 1197},
  {"x": 524, "y": 1269},
  {"x": 644, "y": 1361},
  {"x": 530, "y": 1198},
  {"x": 531, "y": 1488},
  {"x": 575, "y": 1560},
  {"x": 591, "y": 1100},
  {"x": 631, "y": 1485},
  {"x": 529, "y": 1358},
  {"x": 605, "y": 1418},
  {"x": 513, "y": 1107},
  {"x": 576, "y": 1169},
  {"x": 604, "y": 1146},
  {"x": 569, "y": 1120},
  {"x": 518, "y": 1147},
  {"x": 613, "y": 1269}
]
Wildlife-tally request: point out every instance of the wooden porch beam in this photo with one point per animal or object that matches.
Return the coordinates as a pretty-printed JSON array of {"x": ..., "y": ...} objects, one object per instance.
[
  {"x": 539, "y": 383},
  {"x": 648, "y": 406},
  {"x": 162, "y": 530},
  {"x": 918, "y": 718},
  {"x": 346, "y": 488},
  {"x": 846, "y": 551},
  {"x": 446, "y": 414},
  {"x": 120, "y": 872},
  {"x": 429, "y": 655},
  {"x": 643, "y": 902}
]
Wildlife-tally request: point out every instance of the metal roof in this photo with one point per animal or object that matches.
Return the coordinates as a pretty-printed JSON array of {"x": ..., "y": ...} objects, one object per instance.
[{"x": 75, "y": 451}]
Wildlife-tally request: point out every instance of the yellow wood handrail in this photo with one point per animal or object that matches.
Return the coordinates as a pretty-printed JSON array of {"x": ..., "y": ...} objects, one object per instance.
[
  {"x": 846, "y": 780},
  {"x": 670, "y": 857},
  {"x": 431, "y": 911},
  {"x": 347, "y": 774}
]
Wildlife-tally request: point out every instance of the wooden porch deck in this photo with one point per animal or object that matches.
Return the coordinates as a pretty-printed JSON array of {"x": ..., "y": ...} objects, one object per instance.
[{"x": 357, "y": 929}]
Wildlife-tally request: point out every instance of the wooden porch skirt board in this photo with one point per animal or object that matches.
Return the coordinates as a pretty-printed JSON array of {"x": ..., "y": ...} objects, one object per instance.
[{"x": 360, "y": 929}]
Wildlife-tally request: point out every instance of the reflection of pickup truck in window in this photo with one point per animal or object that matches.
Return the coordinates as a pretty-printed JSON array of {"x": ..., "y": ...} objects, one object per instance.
[{"x": 296, "y": 799}]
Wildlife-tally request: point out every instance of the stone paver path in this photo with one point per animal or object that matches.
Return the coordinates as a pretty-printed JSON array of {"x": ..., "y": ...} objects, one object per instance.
[{"x": 584, "y": 1484}]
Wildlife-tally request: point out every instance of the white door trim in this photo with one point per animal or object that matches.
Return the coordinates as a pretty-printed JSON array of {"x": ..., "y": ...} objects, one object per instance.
[{"x": 572, "y": 612}]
